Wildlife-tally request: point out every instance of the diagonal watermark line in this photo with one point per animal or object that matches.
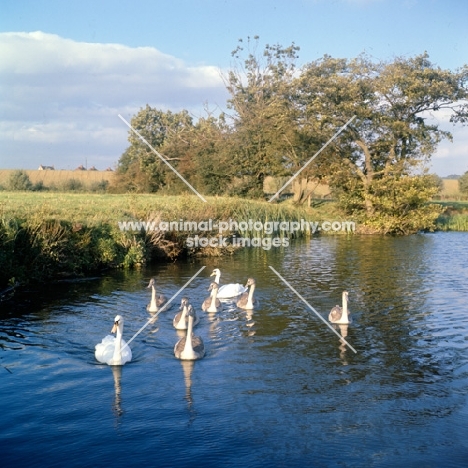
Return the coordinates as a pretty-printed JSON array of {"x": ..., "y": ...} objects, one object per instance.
[
  {"x": 163, "y": 308},
  {"x": 312, "y": 309},
  {"x": 162, "y": 158},
  {"x": 312, "y": 158}
]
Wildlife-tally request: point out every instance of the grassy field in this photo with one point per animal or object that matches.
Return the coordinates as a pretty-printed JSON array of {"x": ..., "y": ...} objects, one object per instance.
[
  {"x": 93, "y": 209},
  {"x": 450, "y": 189},
  {"x": 98, "y": 208},
  {"x": 57, "y": 178}
]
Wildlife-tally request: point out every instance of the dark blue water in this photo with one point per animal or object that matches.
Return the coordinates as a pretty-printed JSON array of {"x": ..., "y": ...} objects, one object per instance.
[{"x": 276, "y": 387}]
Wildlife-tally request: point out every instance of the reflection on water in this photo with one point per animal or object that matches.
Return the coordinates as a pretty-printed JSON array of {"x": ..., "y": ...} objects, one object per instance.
[
  {"x": 276, "y": 387},
  {"x": 117, "y": 406},
  {"x": 187, "y": 367},
  {"x": 343, "y": 347}
]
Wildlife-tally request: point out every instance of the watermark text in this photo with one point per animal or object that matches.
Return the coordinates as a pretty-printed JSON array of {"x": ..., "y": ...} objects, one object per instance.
[{"x": 233, "y": 226}]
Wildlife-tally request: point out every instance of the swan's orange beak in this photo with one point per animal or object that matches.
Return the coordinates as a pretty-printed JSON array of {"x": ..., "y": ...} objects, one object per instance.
[{"x": 114, "y": 328}]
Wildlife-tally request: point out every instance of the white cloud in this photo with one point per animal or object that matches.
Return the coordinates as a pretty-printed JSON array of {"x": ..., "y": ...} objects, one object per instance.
[
  {"x": 61, "y": 98},
  {"x": 451, "y": 156}
]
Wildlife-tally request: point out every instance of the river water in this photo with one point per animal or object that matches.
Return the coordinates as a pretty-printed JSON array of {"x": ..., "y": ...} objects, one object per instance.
[{"x": 276, "y": 388}]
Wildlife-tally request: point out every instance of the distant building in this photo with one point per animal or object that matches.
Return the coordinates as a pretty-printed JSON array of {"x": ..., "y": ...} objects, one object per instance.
[
  {"x": 80, "y": 168},
  {"x": 92, "y": 168},
  {"x": 46, "y": 168},
  {"x": 109, "y": 169}
]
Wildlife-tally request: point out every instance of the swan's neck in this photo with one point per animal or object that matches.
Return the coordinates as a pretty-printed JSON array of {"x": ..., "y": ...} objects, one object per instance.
[
  {"x": 344, "y": 315},
  {"x": 183, "y": 315},
  {"x": 154, "y": 305},
  {"x": 217, "y": 278},
  {"x": 212, "y": 307},
  {"x": 250, "y": 297},
  {"x": 117, "y": 358},
  {"x": 188, "y": 349}
]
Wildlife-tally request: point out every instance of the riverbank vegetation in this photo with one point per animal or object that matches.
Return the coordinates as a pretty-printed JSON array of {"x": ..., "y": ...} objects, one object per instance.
[
  {"x": 46, "y": 235},
  {"x": 454, "y": 216}
]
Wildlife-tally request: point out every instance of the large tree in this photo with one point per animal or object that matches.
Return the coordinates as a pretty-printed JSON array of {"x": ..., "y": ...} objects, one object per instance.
[
  {"x": 377, "y": 158},
  {"x": 140, "y": 169},
  {"x": 265, "y": 139},
  {"x": 200, "y": 152},
  {"x": 211, "y": 167}
]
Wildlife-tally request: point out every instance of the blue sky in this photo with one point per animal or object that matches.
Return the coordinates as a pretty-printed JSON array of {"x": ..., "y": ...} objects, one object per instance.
[{"x": 68, "y": 68}]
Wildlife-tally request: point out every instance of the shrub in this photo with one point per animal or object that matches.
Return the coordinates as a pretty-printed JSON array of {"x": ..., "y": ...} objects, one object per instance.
[
  {"x": 72, "y": 185},
  {"x": 99, "y": 187},
  {"x": 19, "y": 180},
  {"x": 39, "y": 187}
]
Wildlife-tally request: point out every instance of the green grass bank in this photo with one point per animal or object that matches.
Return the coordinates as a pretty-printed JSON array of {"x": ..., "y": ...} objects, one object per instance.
[
  {"x": 46, "y": 235},
  {"x": 49, "y": 235}
]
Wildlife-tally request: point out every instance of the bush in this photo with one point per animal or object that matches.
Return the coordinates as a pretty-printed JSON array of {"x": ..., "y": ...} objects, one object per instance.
[
  {"x": 39, "y": 187},
  {"x": 437, "y": 182},
  {"x": 99, "y": 187},
  {"x": 19, "y": 180},
  {"x": 73, "y": 185}
]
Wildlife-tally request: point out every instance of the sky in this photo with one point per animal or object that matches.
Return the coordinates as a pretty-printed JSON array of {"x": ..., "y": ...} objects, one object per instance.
[{"x": 69, "y": 68}]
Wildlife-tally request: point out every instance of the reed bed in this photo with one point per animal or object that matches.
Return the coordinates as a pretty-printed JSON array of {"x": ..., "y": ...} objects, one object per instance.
[
  {"x": 455, "y": 222},
  {"x": 108, "y": 208},
  {"x": 454, "y": 216}
]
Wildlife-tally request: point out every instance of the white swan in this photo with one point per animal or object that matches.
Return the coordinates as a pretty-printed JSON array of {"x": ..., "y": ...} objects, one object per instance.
[
  {"x": 190, "y": 347},
  {"x": 341, "y": 314},
  {"x": 247, "y": 301},
  {"x": 180, "y": 321},
  {"x": 227, "y": 290},
  {"x": 157, "y": 300},
  {"x": 113, "y": 350},
  {"x": 212, "y": 303}
]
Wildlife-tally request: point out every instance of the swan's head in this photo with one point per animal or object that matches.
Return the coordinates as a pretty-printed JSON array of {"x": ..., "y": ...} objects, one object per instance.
[
  {"x": 213, "y": 285},
  {"x": 118, "y": 321},
  {"x": 345, "y": 295},
  {"x": 184, "y": 302},
  {"x": 190, "y": 311},
  {"x": 216, "y": 271},
  {"x": 250, "y": 282},
  {"x": 151, "y": 283}
]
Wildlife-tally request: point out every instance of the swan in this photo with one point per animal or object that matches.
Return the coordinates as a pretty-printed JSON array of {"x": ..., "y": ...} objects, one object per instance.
[
  {"x": 113, "y": 350},
  {"x": 190, "y": 347},
  {"x": 212, "y": 303},
  {"x": 247, "y": 301},
  {"x": 157, "y": 300},
  {"x": 227, "y": 290},
  {"x": 180, "y": 321},
  {"x": 340, "y": 314}
]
